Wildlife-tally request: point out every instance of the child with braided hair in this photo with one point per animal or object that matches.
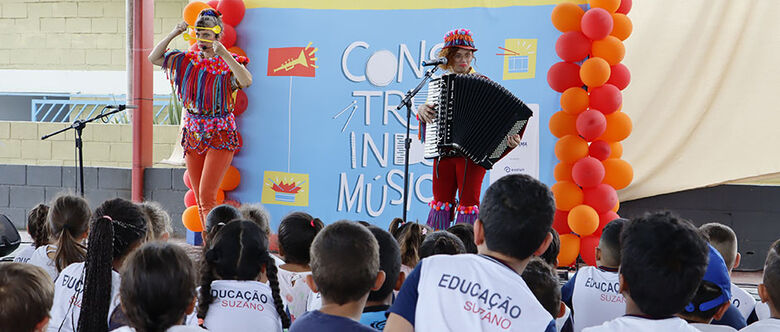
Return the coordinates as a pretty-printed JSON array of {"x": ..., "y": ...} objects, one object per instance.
[
  {"x": 38, "y": 230},
  {"x": 239, "y": 289}
]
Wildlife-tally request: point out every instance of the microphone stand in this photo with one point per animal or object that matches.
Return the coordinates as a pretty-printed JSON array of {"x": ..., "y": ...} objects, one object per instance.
[
  {"x": 407, "y": 101},
  {"x": 79, "y": 126}
]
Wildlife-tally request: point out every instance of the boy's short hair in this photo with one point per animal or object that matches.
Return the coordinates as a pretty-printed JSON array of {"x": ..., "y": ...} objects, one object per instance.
[
  {"x": 465, "y": 232},
  {"x": 516, "y": 213},
  {"x": 389, "y": 261},
  {"x": 221, "y": 214},
  {"x": 772, "y": 274},
  {"x": 543, "y": 282},
  {"x": 714, "y": 290},
  {"x": 663, "y": 259},
  {"x": 159, "y": 220},
  {"x": 257, "y": 212},
  {"x": 609, "y": 243},
  {"x": 344, "y": 261},
  {"x": 724, "y": 239},
  {"x": 441, "y": 243},
  {"x": 550, "y": 256},
  {"x": 26, "y": 296}
]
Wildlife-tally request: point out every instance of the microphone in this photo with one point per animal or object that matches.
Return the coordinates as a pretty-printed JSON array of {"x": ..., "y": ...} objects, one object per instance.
[
  {"x": 435, "y": 62},
  {"x": 120, "y": 107}
]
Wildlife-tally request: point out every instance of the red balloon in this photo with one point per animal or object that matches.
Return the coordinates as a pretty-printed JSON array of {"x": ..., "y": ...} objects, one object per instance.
[
  {"x": 232, "y": 11},
  {"x": 606, "y": 217},
  {"x": 564, "y": 75},
  {"x": 572, "y": 46},
  {"x": 561, "y": 222},
  {"x": 596, "y": 23},
  {"x": 606, "y": 98},
  {"x": 228, "y": 38},
  {"x": 213, "y": 3},
  {"x": 620, "y": 76},
  {"x": 625, "y": 7},
  {"x": 588, "y": 172},
  {"x": 189, "y": 198},
  {"x": 241, "y": 103},
  {"x": 186, "y": 179},
  {"x": 591, "y": 124},
  {"x": 601, "y": 198},
  {"x": 599, "y": 150},
  {"x": 588, "y": 246}
]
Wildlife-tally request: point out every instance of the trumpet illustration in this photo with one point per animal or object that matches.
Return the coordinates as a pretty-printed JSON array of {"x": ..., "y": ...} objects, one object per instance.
[{"x": 302, "y": 59}]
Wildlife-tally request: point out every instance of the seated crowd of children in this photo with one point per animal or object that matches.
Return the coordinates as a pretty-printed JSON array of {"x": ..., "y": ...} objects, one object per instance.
[{"x": 656, "y": 272}]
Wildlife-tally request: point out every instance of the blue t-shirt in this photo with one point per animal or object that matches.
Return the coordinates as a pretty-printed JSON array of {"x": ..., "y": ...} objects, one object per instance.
[
  {"x": 375, "y": 316},
  {"x": 318, "y": 321}
]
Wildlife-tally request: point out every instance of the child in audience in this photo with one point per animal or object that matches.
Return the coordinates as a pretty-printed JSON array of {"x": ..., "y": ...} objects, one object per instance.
[
  {"x": 550, "y": 256},
  {"x": 543, "y": 282},
  {"x": 769, "y": 291},
  {"x": 593, "y": 293},
  {"x": 38, "y": 230},
  {"x": 159, "y": 227},
  {"x": 712, "y": 298},
  {"x": 410, "y": 236},
  {"x": 441, "y": 243},
  {"x": 68, "y": 221},
  {"x": 256, "y": 212},
  {"x": 465, "y": 232},
  {"x": 239, "y": 290},
  {"x": 345, "y": 268},
  {"x": 379, "y": 301},
  {"x": 484, "y": 292},
  {"x": 158, "y": 289},
  {"x": 724, "y": 239},
  {"x": 26, "y": 293},
  {"x": 86, "y": 293},
  {"x": 662, "y": 262},
  {"x": 296, "y": 233},
  {"x": 223, "y": 213}
]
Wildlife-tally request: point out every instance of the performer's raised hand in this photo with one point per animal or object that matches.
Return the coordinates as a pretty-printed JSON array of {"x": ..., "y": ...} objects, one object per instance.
[
  {"x": 179, "y": 28},
  {"x": 513, "y": 141},
  {"x": 220, "y": 49},
  {"x": 426, "y": 113}
]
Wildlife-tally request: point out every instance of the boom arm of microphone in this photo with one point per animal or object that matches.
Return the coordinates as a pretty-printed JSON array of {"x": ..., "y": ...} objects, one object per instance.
[{"x": 435, "y": 62}]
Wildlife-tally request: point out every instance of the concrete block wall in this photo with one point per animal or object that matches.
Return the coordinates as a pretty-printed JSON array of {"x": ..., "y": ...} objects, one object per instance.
[
  {"x": 23, "y": 186},
  {"x": 104, "y": 144},
  {"x": 74, "y": 35}
]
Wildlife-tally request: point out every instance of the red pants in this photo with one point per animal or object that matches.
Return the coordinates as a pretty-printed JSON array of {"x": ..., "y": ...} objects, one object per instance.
[
  {"x": 206, "y": 171},
  {"x": 448, "y": 179}
]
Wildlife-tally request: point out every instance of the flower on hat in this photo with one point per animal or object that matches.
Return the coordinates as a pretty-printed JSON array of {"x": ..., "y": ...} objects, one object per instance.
[{"x": 460, "y": 38}]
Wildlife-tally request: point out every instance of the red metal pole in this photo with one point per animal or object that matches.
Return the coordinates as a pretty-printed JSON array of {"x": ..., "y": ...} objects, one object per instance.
[{"x": 142, "y": 28}]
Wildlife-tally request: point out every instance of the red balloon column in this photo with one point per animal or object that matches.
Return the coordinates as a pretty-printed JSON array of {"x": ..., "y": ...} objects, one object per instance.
[
  {"x": 232, "y": 14},
  {"x": 590, "y": 124}
]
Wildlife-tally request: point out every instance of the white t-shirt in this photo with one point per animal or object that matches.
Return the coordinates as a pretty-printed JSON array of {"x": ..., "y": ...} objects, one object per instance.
[
  {"x": 596, "y": 298},
  {"x": 469, "y": 293},
  {"x": 766, "y": 325},
  {"x": 294, "y": 291},
  {"x": 176, "y": 328},
  {"x": 69, "y": 289},
  {"x": 742, "y": 300},
  {"x": 314, "y": 302},
  {"x": 242, "y": 306},
  {"x": 713, "y": 328},
  {"x": 762, "y": 310},
  {"x": 25, "y": 254},
  {"x": 639, "y": 324},
  {"x": 40, "y": 258}
]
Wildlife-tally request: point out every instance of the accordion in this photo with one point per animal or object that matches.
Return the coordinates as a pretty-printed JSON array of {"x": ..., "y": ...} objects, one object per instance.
[{"x": 474, "y": 115}]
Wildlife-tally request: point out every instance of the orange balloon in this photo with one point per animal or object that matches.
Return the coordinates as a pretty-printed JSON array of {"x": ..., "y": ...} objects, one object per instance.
[
  {"x": 618, "y": 173},
  {"x": 617, "y": 207},
  {"x": 618, "y": 127},
  {"x": 609, "y": 5},
  {"x": 594, "y": 72},
  {"x": 231, "y": 179},
  {"x": 583, "y": 220},
  {"x": 571, "y": 148},
  {"x": 575, "y": 100},
  {"x": 570, "y": 249},
  {"x": 562, "y": 172},
  {"x": 191, "y": 219},
  {"x": 562, "y": 124},
  {"x": 622, "y": 26},
  {"x": 567, "y": 16},
  {"x": 616, "y": 150},
  {"x": 567, "y": 195},
  {"x": 610, "y": 49},
  {"x": 220, "y": 196},
  {"x": 237, "y": 51},
  {"x": 191, "y": 11}
]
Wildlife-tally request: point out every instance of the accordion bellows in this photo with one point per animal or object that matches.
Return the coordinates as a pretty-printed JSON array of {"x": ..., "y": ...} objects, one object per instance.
[{"x": 474, "y": 115}]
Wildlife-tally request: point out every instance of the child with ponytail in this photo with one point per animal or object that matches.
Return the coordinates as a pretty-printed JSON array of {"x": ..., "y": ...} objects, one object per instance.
[
  {"x": 410, "y": 236},
  {"x": 233, "y": 293},
  {"x": 38, "y": 230},
  {"x": 296, "y": 233},
  {"x": 68, "y": 221},
  {"x": 92, "y": 287}
]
